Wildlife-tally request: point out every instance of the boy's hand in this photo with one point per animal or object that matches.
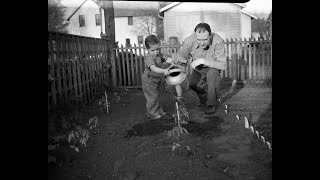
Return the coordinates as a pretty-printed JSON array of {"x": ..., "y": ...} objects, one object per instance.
[
  {"x": 180, "y": 59},
  {"x": 169, "y": 60},
  {"x": 166, "y": 71}
]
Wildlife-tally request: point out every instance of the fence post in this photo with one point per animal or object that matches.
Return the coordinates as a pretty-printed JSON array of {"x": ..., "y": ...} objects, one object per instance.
[
  {"x": 245, "y": 59},
  {"x": 254, "y": 60},
  {"x": 140, "y": 60},
  {"x": 240, "y": 59},
  {"x": 138, "y": 78},
  {"x": 250, "y": 55},
  {"x": 228, "y": 58},
  {"x": 113, "y": 68},
  {"x": 236, "y": 55}
]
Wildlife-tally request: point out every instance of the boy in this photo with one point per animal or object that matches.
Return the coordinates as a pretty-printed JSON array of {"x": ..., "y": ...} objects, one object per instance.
[{"x": 156, "y": 65}]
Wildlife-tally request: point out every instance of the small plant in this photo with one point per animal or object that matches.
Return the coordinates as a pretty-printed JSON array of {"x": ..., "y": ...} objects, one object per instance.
[
  {"x": 78, "y": 137},
  {"x": 104, "y": 103},
  {"x": 93, "y": 124},
  {"x": 181, "y": 117},
  {"x": 182, "y": 114},
  {"x": 175, "y": 145}
]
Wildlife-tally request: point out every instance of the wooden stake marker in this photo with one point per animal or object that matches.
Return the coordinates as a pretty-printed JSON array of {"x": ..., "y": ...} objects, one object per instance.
[
  {"x": 269, "y": 145},
  {"x": 237, "y": 117},
  {"x": 226, "y": 107},
  {"x": 263, "y": 140},
  {"x": 251, "y": 128},
  {"x": 226, "y": 111},
  {"x": 257, "y": 133},
  {"x": 219, "y": 101},
  {"x": 107, "y": 103},
  {"x": 246, "y": 123}
]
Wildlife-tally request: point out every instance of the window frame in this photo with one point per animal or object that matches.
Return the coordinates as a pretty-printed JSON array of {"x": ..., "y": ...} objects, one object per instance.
[
  {"x": 98, "y": 20},
  {"x": 83, "y": 20},
  {"x": 141, "y": 39},
  {"x": 130, "y": 20}
]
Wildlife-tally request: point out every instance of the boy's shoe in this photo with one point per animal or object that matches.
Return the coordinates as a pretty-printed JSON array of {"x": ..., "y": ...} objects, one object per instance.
[
  {"x": 157, "y": 117},
  {"x": 210, "y": 110}
]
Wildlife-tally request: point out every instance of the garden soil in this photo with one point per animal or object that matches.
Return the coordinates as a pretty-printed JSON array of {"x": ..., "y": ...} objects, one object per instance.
[{"x": 218, "y": 146}]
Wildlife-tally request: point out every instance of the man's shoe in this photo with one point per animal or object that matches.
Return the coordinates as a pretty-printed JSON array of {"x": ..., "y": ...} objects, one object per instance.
[
  {"x": 155, "y": 117},
  {"x": 201, "y": 105},
  {"x": 164, "y": 113},
  {"x": 210, "y": 110}
]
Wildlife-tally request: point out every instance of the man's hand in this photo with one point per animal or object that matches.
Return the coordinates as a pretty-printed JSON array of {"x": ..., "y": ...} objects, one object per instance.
[{"x": 197, "y": 62}]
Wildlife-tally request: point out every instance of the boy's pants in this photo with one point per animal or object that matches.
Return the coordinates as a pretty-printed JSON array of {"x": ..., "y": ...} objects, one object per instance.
[
  {"x": 150, "y": 87},
  {"x": 151, "y": 90},
  {"x": 207, "y": 85}
]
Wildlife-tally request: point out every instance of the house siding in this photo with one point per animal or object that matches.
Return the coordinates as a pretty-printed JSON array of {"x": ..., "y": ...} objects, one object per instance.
[
  {"x": 89, "y": 9},
  {"x": 223, "y": 18},
  {"x": 124, "y": 31},
  {"x": 136, "y": 9},
  {"x": 193, "y": 7},
  {"x": 245, "y": 26}
]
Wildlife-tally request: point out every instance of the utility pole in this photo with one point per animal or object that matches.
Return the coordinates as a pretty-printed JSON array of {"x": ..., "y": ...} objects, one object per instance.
[{"x": 107, "y": 6}]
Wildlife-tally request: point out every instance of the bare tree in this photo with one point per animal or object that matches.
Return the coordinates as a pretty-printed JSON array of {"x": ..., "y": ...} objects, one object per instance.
[
  {"x": 56, "y": 18},
  {"x": 259, "y": 24},
  {"x": 145, "y": 22}
]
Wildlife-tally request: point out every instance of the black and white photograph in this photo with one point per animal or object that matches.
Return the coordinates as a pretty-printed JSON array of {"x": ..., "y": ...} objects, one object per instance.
[{"x": 159, "y": 90}]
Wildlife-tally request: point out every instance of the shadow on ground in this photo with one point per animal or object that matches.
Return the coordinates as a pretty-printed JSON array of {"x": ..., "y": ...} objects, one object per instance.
[
  {"x": 206, "y": 129},
  {"x": 226, "y": 89},
  {"x": 264, "y": 124}
]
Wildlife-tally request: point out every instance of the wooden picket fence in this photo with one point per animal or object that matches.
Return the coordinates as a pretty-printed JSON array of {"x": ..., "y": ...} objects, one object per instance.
[
  {"x": 78, "y": 66},
  {"x": 81, "y": 71},
  {"x": 247, "y": 59}
]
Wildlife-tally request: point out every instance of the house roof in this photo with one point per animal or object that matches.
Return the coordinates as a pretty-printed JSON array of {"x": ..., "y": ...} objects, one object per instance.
[
  {"x": 177, "y": 3},
  {"x": 124, "y": 12},
  {"x": 75, "y": 6},
  {"x": 70, "y": 16},
  {"x": 269, "y": 20},
  {"x": 134, "y": 8},
  {"x": 251, "y": 15},
  {"x": 173, "y": 4}
]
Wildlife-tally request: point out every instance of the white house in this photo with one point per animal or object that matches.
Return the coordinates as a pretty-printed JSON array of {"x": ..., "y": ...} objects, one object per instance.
[
  {"x": 134, "y": 20},
  {"x": 85, "y": 17},
  {"x": 226, "y": 19}
]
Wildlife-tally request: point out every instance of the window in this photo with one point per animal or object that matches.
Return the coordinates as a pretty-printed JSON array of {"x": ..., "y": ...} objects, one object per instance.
[
  {"x": 82, "y": 22},
  {"x": 140, "y": 39},
  {"x": 128, "y": 42},
  {"x": 130, "y": 20},
  {"x": 98, "y": 20}
]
